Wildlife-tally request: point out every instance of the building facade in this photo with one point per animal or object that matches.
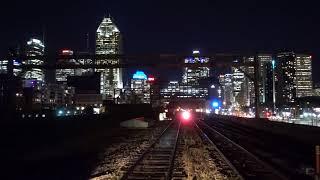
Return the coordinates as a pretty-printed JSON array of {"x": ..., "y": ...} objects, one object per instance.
[
  {"x": 62, "y": 74},
  {"x": 140, "y": 87},
  {"x": 239, "y": 89},
  {"x": 268, "y": 84},
  {"x": 225, "y": 81},
  {"x": 248, "y": 89},
  {"x": 108, "y": 41},
  {"x": 195, "y": 79},
  {"x": 303, "y": 75},
  {"x": 171, "y": 90},
  {"x": 34, "y": 47},
  {"x": 285, "y": 78},
  {"x": 264, "y": 61},
  {"x": 57, "y": 95}
]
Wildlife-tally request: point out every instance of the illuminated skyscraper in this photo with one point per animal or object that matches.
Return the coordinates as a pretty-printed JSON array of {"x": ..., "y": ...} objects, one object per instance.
[
  {"x": 239, "y": 89},
  {"x": 264, "y": 61},
  {"x": 62, "y": 74},
  {"x": 303, "y": 75},
  {"x": 4, "y": 67},
  {"x": 192, "y": 78},
  {"x": 268, "y": 84},
  {"x": 227, "y": 89},
  {"x": 170, "y": 91},
  {"x": 141, "y": 87},
  {"x": 34, "y": 48},
  {"x": 108, "y": 41},
  {"x": 285, "y": 78},
  {"x": 248, "y": 83}
]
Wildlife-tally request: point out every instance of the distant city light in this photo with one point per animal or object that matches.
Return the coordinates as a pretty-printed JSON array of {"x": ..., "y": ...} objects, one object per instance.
[
  {"x": 140, "y": 75},
  {"x": 215, "y": 104},
  {"x": 273, "y": 64},
  {"x": 16, "y": 62},
  {"x": 67, "y": 52},
  {"x": 151, "y": 78},
  {"x": 195, "y": 52},
  {"x": 35, "y": 41},
  {"x": 60, "y": 112}
]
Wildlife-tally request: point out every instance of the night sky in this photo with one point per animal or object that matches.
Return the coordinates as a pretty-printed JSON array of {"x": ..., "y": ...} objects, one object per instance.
[{"x": 168, "y": 26}]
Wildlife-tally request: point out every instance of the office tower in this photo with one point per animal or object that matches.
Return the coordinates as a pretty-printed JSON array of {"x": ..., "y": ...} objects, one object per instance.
[
  {"x": 63, "y": 74},
  {"x": 285, "y": 78},
  {"x": 171, "y": 90},
  {"x": 108, "y": 42},
  {"x": 4, "y": 67},
  {"x": 58, "y": 95},
  {"x": 239, "y": 89},
  {"x": 303, "y": 75},
  {"x": 225, "y": 81},
  {"x": 34, "y": 48},
  {"x": 195, "y": 79},
  {"x": 141, "y": 87},
  {"x": 264, "y": 61},
  {"x": 248, "y": 89},
  {"x": 268, "y": 83},
  {"x": 154, "y": 90},
  {"x": 174, "y": 89}
]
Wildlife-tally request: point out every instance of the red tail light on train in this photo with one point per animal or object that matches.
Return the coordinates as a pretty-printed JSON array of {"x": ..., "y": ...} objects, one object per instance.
[{"x": 186, "y": 115}]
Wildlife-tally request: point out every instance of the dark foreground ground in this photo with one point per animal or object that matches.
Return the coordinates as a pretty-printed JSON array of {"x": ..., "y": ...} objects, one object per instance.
[
  {"x": 57, "y": 149},
  {"x": 70, "y": 149}
]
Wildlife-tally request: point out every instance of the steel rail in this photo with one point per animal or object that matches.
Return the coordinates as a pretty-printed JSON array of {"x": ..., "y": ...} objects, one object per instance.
[
  {"x": 220, "y": 153},
  {"x": 240, "y": 149},
  {"x": 150, "y": 148}
]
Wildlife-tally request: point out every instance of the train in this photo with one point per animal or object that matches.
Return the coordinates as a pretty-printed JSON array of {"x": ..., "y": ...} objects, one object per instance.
[{"x": 187, "y": 109}]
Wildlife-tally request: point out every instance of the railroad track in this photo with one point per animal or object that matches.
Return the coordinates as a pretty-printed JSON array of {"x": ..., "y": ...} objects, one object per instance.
[
  {"x": 247, "y": 164},
  {"x": 286, "y": 157},
  {"x": 157, "y": 162}
]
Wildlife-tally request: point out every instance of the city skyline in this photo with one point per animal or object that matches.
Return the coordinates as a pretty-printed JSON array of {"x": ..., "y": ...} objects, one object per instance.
[
  {"x": 222, "y": 29},
  {"x": 122, "y": 89},
  {"x": 284, "y": 76}
]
